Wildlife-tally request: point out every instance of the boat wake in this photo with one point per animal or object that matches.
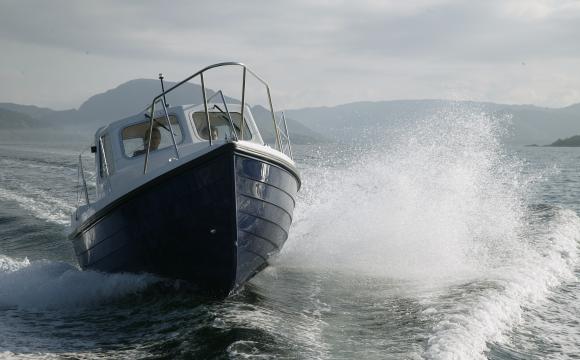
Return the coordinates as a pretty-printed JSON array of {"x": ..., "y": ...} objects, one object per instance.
[
  {"x": 42, "y": 190},
  {"x": 47, "y": 284},
  {"x": 40, "y": 205},
  {"x": 478, "y": 318}
]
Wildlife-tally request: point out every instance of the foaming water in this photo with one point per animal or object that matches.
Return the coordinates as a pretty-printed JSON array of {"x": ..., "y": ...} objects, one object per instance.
[
  {"x": 57, "y": 285},
  {"x": 8, "y": 264},
  {"x": 441, "y": 201},
  {"x": 435, "y": 201},
  {"x": 478, "y": 318}
]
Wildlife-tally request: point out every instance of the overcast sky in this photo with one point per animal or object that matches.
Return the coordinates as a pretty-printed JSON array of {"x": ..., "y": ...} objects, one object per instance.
[{"x": 313, "y": 52}]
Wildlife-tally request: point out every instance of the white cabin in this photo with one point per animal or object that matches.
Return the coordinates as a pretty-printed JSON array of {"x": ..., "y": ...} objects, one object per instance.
[{"x": 122, "y": 145}]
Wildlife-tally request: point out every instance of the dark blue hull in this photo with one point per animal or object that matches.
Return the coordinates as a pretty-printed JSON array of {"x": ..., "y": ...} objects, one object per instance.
[{"x": 213, "y": 221}]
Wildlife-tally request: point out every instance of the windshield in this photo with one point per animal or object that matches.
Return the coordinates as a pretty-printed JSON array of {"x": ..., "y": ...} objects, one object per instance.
[
  {"x": 135, "y": 137},
  {"x": 221, "y": 128}
]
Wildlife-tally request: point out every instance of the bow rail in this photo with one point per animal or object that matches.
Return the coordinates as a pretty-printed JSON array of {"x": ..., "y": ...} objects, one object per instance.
[{"x": 281, "y": 133}]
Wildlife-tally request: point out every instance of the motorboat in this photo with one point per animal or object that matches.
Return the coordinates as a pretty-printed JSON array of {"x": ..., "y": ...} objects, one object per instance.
[{"x": 190, "y": 192}]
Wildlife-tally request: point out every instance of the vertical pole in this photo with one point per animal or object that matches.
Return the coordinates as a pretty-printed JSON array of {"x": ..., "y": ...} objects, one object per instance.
[
  {"x": 243, "y": 102},
  {"x": 205, "y": 107},
  {"x": 102, "y": 146},
  {"x": 274, "y": 120},
  {"x": 287, "y": 135},
  {"x": 171, "y": 131},
  {"x": 150, "y": 131},
  {"x": 163, "y": 90},
  {"x": 165, "y": 106},
  {"x": 106, "y": 163},
  {"x": 84, "y": 181}
]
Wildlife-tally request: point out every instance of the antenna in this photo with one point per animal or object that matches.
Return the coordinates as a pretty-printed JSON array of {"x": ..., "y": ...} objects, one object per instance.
[{"x": 163, "y": 90}]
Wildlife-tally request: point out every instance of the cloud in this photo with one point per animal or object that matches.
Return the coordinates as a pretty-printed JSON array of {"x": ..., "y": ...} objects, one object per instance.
[{"x": 340, "y": 49}]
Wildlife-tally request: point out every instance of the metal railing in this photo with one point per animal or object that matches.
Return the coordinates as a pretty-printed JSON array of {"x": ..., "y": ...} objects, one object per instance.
[
  {"x": 282, "y": 138},
  {"x": 81, "y": 175},
  {"x": 285, "y": 138},
  {"x": 82, "y": 189},
  {"x": 282, "y": 145}
]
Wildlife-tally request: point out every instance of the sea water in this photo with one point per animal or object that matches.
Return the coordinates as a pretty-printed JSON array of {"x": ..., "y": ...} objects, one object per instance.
[{"x": 431, "y": 240}]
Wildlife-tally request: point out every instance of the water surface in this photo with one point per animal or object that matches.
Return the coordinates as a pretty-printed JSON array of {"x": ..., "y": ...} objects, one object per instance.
[{"x": 431, "y": 242}]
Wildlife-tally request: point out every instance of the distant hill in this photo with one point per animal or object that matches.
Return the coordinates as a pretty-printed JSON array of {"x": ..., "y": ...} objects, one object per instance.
[
  {"x": 539, "y": 125},
  {"x": 125, "y": 100},
  {"x": 348, "y": 119},
  {"x": 299, "y": 133},
  {"x": 528, "y": 123},
  {"x": 134, "y": 96},
  {"x": 573, "y": 141},
  {"x": 10, "y": 119},
  {"x": 30, "y": 110},
  {"x": 131, "y": 98}
]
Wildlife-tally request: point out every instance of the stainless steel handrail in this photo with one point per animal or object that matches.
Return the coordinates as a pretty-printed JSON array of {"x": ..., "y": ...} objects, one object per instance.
[
  {"x": 205, "y": 108},
  {"x": 152, "y": 119},
  {"x": 104, "y": 159},
  {"x": 287, "y": 135},
  {"x": 108, "y": 177},
  {"x": 243, "y": 101},
  {"x": 170, "y": 128},
  {"x": 82, "y": 174},
  {"x": 200, "y": 74},
  {"x": 82, "y": 182}
]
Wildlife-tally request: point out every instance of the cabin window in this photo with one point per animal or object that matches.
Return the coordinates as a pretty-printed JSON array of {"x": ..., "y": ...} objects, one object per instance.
[
  {"x": 221, "y": 127},
  {"x": 135, "y": 137}
]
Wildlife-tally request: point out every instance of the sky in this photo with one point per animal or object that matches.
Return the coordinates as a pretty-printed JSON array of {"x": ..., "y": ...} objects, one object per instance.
[{"x": 58, "y": 53}]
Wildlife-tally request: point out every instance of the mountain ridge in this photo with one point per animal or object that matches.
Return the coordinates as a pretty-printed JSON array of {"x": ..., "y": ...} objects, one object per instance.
[
  {"x": 529, "y": 123},
  {"x": 130, "y": 98}
]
